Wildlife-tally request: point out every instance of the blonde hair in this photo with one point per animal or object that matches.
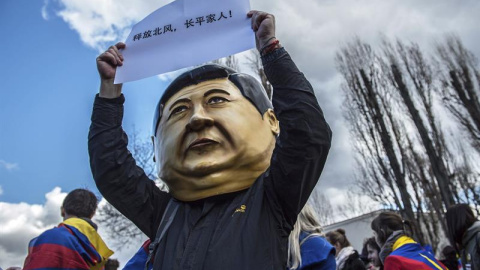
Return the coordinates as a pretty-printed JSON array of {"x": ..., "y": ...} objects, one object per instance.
[{"x": 306, "y": 222}]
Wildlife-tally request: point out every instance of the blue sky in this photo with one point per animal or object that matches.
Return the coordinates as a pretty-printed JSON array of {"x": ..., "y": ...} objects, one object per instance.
[{"x": 48, "y": 83}]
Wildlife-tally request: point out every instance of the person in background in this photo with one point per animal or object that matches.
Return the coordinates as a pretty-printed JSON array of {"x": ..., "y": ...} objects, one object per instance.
[
  {"x": 398, "y": 249},
  {"x": 464, "y": 234},
  {"x": 74, "y": 243},
  {"x": 307, "y": 247},
  {"x": 347, "y": 258},
  {"x": 450, "y": 259},
  {"x": 112, "y": 264},
  {"x": 371, "y": 253}
]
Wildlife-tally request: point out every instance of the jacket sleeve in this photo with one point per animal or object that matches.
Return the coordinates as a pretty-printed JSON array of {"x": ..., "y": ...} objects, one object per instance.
[
  {"x": 305, "y": 137},
  {"x": 118, "y": 178}
]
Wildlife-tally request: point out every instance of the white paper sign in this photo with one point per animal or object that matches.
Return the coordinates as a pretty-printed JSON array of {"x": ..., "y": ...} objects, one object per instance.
[{"x": 185, "y": 33}]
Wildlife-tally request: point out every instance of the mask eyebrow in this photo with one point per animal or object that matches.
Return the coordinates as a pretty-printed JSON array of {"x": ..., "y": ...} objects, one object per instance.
[
  {"x": 182, "y": 100},
  {"x": 220, "y": 91}
]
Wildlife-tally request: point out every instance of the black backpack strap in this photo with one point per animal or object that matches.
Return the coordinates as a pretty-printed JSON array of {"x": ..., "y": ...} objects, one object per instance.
[{"x": 165, "y": 223}]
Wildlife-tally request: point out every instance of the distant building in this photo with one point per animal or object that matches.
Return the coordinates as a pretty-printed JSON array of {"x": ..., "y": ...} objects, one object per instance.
[{"x": 357, "y": 228}]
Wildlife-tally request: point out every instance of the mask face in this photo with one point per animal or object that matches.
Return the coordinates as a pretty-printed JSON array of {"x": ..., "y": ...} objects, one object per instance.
[{"x": 211, "y": 140}]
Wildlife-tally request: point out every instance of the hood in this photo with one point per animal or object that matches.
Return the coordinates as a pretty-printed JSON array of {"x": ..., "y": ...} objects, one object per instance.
[{"x": 470, "y": 233}]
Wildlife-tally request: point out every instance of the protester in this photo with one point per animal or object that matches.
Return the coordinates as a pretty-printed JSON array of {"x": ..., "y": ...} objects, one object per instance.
[
  {"x": 307, "y": 246},
  {"x": 372, "y": 250},
  {"x": 450, "y": 259},
  {"x": 232, "y": 198},
  {"x": 399, "y": 250},
  {"x": 464, "y": 234},
  {"x": 74, "y": 243},
  {"x": 364, "y": 255},
  {"x": 347, "y": 258}
]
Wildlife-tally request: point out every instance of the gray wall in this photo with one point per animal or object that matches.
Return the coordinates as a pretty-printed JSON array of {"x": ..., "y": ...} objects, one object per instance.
[{"x": 356, "y": 229}]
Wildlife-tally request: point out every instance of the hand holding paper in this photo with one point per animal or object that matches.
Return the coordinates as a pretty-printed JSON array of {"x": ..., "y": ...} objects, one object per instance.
[
  {"x": 185, "y": 33},
  {"x": 263, "y": 24},
  {"x": 108, "y": 61},
  {"x": 107, "y": 64}
]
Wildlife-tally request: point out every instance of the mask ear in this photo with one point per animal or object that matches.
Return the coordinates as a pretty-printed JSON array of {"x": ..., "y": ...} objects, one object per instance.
[
  {"x": 269, "y": 115},
  {"x": 153, "y": 144}
]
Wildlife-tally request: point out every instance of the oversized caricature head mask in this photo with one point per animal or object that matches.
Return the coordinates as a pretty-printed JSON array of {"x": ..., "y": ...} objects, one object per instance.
[{"x": 214, "y": 132}]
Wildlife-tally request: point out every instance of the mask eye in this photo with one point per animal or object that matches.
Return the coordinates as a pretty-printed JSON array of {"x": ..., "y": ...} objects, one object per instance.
[
  {"x": 217, "y": 100},
  {"x": 178, "y": 110}
]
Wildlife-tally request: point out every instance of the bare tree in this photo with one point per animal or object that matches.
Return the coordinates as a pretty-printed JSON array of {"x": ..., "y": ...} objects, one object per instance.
[
  {"x": 411, "y": 76},
  {"x": 120, "y": 229},
  {"x": 459, "y": 91},
  {"x": 403, "y": 155},
  {"x": 230, "y": 61},
  {"x": 254, "y": 64},
  {"x": 257, "y": 66},
  {"x": 365, "y": 111},
  {"x": 395, "y": 165},
  {"x": 322, "y": 207},
  {"x": 461, "y": 86}
]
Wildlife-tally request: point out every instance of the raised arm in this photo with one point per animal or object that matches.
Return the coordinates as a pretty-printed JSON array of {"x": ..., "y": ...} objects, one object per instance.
[
  {"x": 302, "y": 147},
  {"x": 120, "y": 181}
]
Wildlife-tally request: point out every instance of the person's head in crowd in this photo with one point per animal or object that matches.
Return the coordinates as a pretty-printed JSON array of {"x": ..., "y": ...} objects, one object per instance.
[
  {"x": 112, "y": 264},
  {"x": 364, "y": 253},
  {"x": 214, "y": 132},
  {"x": 459, "y": 218},
  {"x": 79, "y": 203},
  {"x": 338, "y": 239},
  {"x": 386, "y": 223},
  {"x": 372, "y": 251},
  {"x": 450, "y": 259},
  {"x": 306, "y": 222},
  {"x": 346, "y": 257}
]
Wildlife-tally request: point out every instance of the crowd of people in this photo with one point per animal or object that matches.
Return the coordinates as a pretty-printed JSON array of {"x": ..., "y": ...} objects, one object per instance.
[
  {"x": 392, "y": 246},
  {"x": 239, "y": 178},
  {"x": 74, "y": 243}
]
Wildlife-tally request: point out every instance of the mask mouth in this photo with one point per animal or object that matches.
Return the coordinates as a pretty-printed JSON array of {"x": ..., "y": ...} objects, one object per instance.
[{"x": 201, "y": 143}]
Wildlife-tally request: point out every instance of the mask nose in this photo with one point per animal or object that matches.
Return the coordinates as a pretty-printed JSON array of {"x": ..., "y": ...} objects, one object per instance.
[{"x": 199, "y": 120}]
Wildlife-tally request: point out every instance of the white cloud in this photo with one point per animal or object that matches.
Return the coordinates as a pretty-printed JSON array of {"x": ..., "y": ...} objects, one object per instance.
[
  {"x": 8, "y": 166},
  {"x": 44, "y": 10},
  {"x": 21, "y": 222},
  {"x": 102, "y": 23}
]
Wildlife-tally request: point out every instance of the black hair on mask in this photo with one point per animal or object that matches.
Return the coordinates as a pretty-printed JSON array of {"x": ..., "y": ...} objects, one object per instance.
[{"x": 250, "y": 87}]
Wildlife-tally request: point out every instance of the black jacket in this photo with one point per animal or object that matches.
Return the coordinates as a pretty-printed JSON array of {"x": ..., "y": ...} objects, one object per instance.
[{"x": 242, "y": 230}]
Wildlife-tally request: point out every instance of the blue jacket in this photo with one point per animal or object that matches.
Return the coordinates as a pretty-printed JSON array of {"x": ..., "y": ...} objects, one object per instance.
[{"x": 316, "y": 253}]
